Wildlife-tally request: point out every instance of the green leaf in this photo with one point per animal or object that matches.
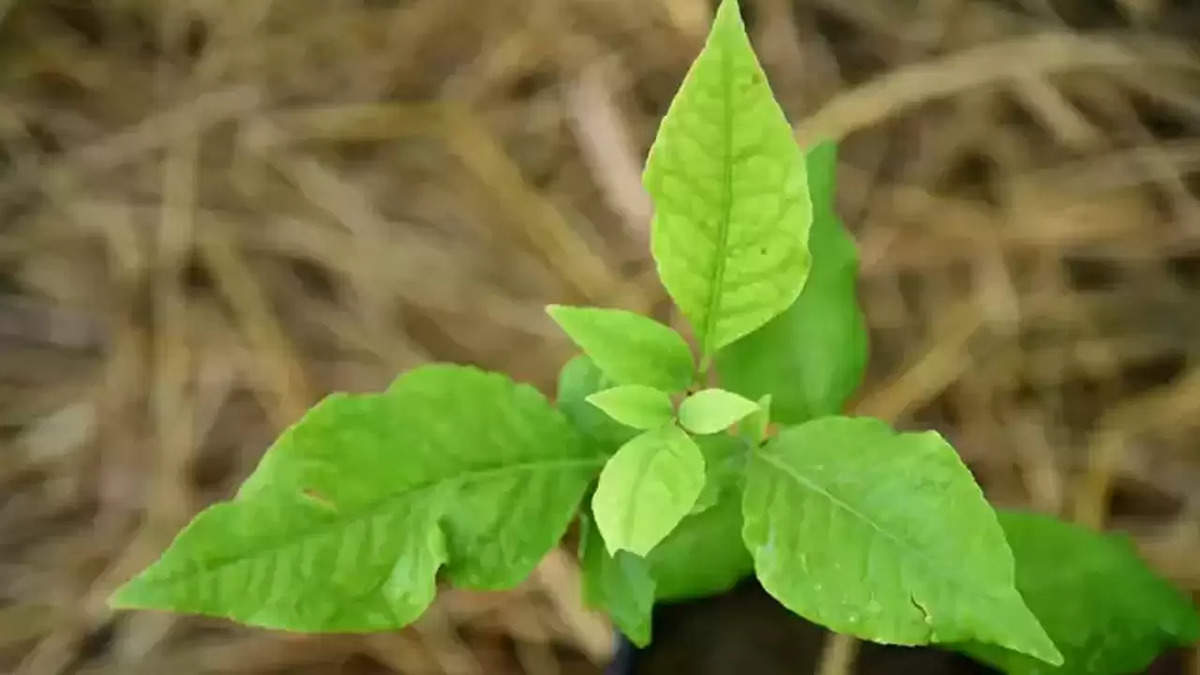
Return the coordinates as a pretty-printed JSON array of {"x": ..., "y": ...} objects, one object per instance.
[
  {"x": 811, "y": 358},
  {"x": 724, "y": 462},
  {"x": 1104, "y": 608},
  {"x": 732, "y": 212},
  {"x": 647, "y": 488},
  {"x": 702, "y": 556},
  {"x": 578, "y": 379},
  {"x": 635, "y": 405},
  {"x": 705, "y": 555},
  {"x": 713, "y": 410},
  {"x": 348, "y": 518},
  {"x": 620, "y": 585},
  {"x": 628, "y": 348},
  {"x": 884, "y": 536},
  {"x": 755, "y": 426}
]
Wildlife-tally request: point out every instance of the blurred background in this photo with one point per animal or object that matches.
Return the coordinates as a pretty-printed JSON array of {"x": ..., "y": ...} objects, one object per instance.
[{"x": 213, "y": 212}]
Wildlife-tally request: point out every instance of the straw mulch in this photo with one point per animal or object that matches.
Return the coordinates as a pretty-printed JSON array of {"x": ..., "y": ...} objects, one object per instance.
[{"x": 212, "y": 213}]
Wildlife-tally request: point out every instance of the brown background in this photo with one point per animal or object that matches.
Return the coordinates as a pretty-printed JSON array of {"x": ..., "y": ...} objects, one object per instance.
[{"x": 212, "y": 212}]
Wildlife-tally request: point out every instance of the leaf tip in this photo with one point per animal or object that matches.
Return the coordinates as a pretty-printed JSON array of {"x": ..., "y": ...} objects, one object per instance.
[
  {"x": 126, "y": 597},
  {"x": 1040, "y": 645},
  {"x": 640, "y": 635},
  {"x": 728, "y": 6},
  {"x": 1052, "y": 655}
]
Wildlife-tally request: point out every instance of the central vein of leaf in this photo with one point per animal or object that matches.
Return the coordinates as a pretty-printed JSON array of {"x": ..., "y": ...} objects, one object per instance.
[
  {"x": 949, "y": 574},
  {"x": 323, "y": 527},
  {"x": 631, "y": 514},
  {"x": 718, "y": 276}
]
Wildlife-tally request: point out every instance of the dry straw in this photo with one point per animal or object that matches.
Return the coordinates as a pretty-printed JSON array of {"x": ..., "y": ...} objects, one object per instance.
[{"x": 213, "y": 212}]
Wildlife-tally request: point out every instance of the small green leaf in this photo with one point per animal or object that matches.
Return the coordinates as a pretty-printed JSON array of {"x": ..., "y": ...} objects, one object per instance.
[
  {"x": 732, "y": 212},
  {"x": 628, "y": 348},
  {"x": 703, "y": 556},
  {"x": 635, "y": 405},
  {"x": 884, "y": 536},
  {"x": 647, "y": 488},
  {"x": 755, "y": 426},
  {"x": 578, "y": 379},
  {"x": 713, "y": 410},
  {"x": 811, "y": 358},
  {"x": 620, "y": 585},
  {"x": 1104, "y": 608},
  {"x": 348, "y": 518}
]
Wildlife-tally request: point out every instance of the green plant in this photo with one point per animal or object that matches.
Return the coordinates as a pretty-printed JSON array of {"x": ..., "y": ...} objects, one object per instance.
[{"x": 356, "y": 510}]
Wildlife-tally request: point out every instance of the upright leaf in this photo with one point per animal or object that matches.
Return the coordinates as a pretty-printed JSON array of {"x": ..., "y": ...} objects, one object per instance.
[
  {"x": 1104, "y": 608},
  {"x": 627, "y": 347},
  {"x": 647, "y": 488},
  {"x": 635, "y": 405},
  {"x": 713, "y": 410},
  {"x": 731, "y": 218},
  {"x": 619, "y": 584},
  {"x": 811, "y": 358},
  {"x": 578, "y": 379},
  {"x": 884, "y": 536},
  {"x": 351, "y": 513}
]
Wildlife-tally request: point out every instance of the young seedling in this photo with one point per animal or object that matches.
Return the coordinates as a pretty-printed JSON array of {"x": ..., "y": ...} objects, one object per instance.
[{"x": 355, "y": 511}]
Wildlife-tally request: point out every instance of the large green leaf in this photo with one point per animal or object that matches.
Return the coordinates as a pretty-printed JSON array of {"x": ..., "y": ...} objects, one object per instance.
[
  {"x": 1104, "y": 608},
  {"x": 351, "y": 513},
  {"x": 884, "y": 536},
  {"x": 635, "y": 405},
  {"x": 732, "y": 212},
  {"x": 647, "y": 488},
  {"x": 620, "y": 584},
  {"x": 578, "y": 379},
  {"x": 628, "y": 348},
  {"x": 811, "y": 358}
]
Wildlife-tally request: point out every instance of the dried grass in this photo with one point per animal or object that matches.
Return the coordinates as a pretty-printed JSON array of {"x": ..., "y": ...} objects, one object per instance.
[{"x": 211, "y": 213}]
